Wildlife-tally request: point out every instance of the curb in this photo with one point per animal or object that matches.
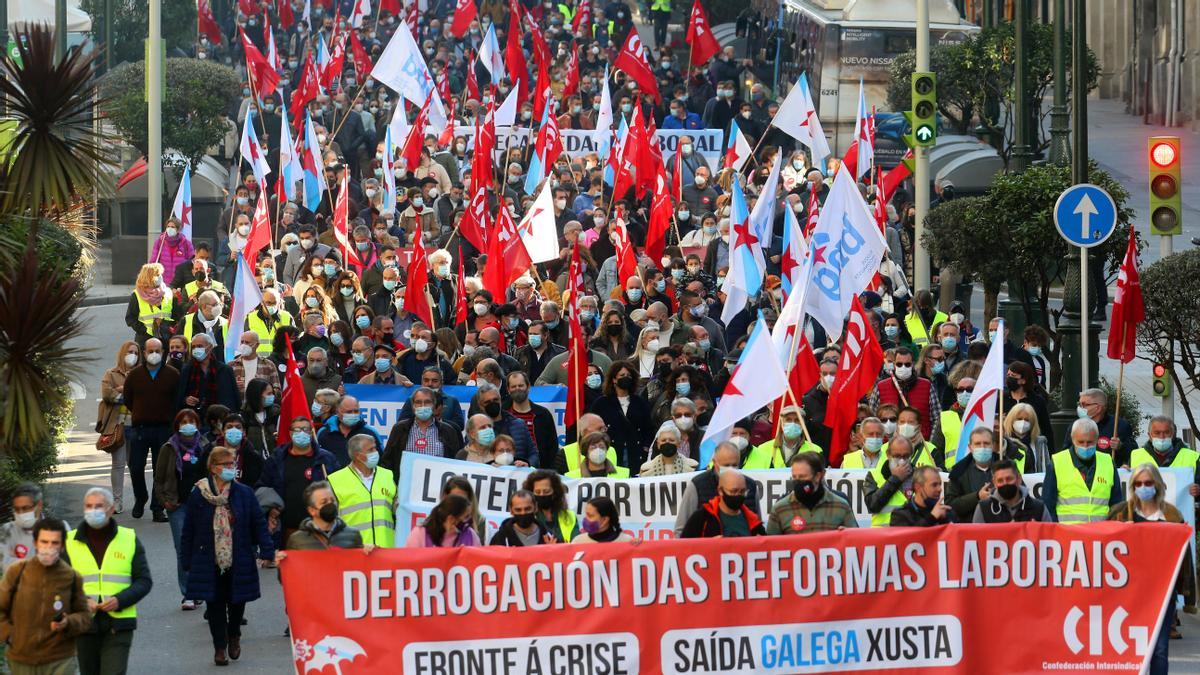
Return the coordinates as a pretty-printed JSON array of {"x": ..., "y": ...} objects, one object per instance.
[{"x": 97, "y": 301}]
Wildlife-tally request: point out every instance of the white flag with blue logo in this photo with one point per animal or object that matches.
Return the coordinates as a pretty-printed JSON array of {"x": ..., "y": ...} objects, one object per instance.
[{"x": 846, "y": 248}]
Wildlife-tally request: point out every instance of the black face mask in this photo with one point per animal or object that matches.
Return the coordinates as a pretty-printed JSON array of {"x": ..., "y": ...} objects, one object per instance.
[
  {"x": 613, "y": 329},
  {"x": 387, "y": 337},
  {"x": 545, "y": 502},
  {"x": 734, "y": 501},
  {"x": 625, "y": 382},
  {"x": 492, "y": 409},
  {"x": 1011, "y": 384},
  {"x": 1008, "y": 491},
  {"x": 668, "y": 449},
  {"x": 523, "y": 520},
  {"x": 328, "y": 512},
  {"x": 200, "y": 275}
]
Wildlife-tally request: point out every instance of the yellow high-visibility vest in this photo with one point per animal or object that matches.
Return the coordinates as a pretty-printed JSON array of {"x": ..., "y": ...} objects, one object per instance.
[
  {"x": 1077, "y": 503},
  {"x": 371, "y": 512},
  {"x": 147, "y": 313},
  {"x": 113, "y": 575}
]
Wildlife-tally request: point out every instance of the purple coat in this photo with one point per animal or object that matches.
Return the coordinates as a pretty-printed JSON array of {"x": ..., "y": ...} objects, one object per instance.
[{"x": 171, "y": 253}]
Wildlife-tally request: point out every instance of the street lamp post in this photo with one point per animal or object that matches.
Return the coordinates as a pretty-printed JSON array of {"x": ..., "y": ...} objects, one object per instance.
[
  {"x": 1021, "y": 153},
  {"x": 1060, "y": 116},
  {"x": 1074, "y": 311},
  {"x": 154, "y": 174}
]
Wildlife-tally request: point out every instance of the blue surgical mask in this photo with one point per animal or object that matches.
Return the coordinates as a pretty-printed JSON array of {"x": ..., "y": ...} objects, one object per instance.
[
  {"x": 939, "y": 367},
  {"x": 873, "y": 444},
  {"x": 964, "y": 397},
  {"x": 372, "y": 459},
  {"x": 535, "y": 341},
  {"x": 350, "y": 419},
  {"x": 233, "y": 436},
  {"x": 660, "y": 285},
  {"x": 330, "y": 270},
  {"x": 683, "y": 388},
  {"x": 268, "y": 400},
  {"x": 594, "y": 381},
  {"x": 991, "y": 336},
  {"x": 362, "y": 320},
  {"x": 1161, "y": 444},
  {"x": 512, "y": 323},
  {"x": 389, "y": 284},
  {"x": 1081, "y": 411},
  {"x": 634, "y": 294},
  {"x": 949, "y": 343},
  {"x": 586, "y": 315},
  {"x": 423, "y": 412},
  {"x": 187, "y": 429},
  {"x": 981, "y": 455},
  {"x": 359, "y": 358},
  {"x": 382, "y": 364},
  {"x": 1085, "y": 452},
  {"x": 228, "y": 474},
  {"x": 485, "y": 436},
  {"x": 891, "y": 331},
  {"x": 199, "y": 353},
  {"x": 1034, "y": 350},
  {"x": 316, "y": 409},
  {"x": 1145, "y": 492},
  {"x": 337, "y": 339},
  {"x": 301, "y": 439},
  {"x": 791, "y": 430},
  {"x": 95, "y": 518}
]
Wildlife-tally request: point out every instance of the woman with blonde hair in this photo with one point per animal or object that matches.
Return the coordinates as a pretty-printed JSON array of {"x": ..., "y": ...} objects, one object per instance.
[
  {"x": 1021, "y": 426},
  {"x": 314, "y": 300},
  {"x": 1146, "y": 502},
  {"x": 153, "y": 309},
  {"x": 114, "y": 416}
]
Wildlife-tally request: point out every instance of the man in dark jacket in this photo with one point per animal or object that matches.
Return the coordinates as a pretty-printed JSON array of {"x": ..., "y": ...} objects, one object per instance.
[
  {"x": 450, "y": 409},
  {"x": 815, "y": 402},
  {"x": 338, "y": 429},
  {"x": 925, "y": 508},
  {"x": 292, "y": 468},
  {"x": 425, "y": 432},
  {"x": 538, "y": 420},
  {"x": 205, "y": 380},
  {"x": 701, "y": 489},
  {"x": 1011, "y": 501},
  {"x": 523, "y": 528},
  {"x": 971, "y": 479},
  {"x": 322, "y": 528},
  {"x": 487, "y": 401},
  {"x": 104, "y": 648},
  {"x": 149, "y": 394},
  {"x": 534, "y": 356},
  {"x": 725, "y": 515}
]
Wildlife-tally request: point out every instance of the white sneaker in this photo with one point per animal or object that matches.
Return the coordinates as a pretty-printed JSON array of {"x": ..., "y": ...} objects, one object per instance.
[{"x": 187, "y": 605}]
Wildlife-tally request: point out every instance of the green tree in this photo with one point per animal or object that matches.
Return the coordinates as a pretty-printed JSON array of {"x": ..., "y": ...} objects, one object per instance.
[
  {"x": 195, "y": 102},
  {"x": 1010, "y": 234},
  {"x": 982, "y": 70},
  {"x": 1171, "y": 333},
  {"x": 55, "y": 159},
  {"x": 130, "y": 26}
]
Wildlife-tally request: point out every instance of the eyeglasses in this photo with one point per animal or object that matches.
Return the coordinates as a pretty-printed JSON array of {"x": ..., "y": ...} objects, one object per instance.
[
  {"x": 966, "y": 389},
  {"x": 1144, "y": 483}
]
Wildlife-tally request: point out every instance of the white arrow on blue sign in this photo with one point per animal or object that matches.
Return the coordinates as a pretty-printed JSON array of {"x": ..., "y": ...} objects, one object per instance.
[{"x": 1085, "y": 215}]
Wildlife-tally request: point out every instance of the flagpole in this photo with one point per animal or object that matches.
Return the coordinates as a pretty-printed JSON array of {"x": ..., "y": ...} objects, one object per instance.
[{"x": 1120, "y": 383}]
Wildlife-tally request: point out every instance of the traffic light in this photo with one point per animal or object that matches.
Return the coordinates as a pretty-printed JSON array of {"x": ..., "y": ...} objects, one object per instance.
[
  {"x": 922, "y": 118},
  {"x": 1166, "y": 207},
  {"x": 1162, "y": 381}
]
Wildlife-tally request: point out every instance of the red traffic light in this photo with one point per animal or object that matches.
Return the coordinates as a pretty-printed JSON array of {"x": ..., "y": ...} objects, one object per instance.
[
  {"x": 1163, "y": 154},
  {"x": 1159, "y": 370}
]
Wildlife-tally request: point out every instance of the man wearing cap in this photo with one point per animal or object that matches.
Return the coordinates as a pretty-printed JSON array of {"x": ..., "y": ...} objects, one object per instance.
[{"x": 385, "y": 368}]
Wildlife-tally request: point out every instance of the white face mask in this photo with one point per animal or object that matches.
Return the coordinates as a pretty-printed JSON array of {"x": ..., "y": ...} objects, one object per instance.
[
  {"x": 597, "y": 455},
  {"x": 25, "y": 520},
  {"x": 154, "y": 358},
  {"x": 245, "y": 349},
  {"x": 131, "y": 360},
  {"x": 827, "y": 380},
  {"x": 1021, "y": 426},
  {"x": 908, "y": 430},
  {"x": 504, "y": 459},
  {"x": 903, "y": 372},
  {"x": 684, "y": 422},
  {"x": 740, "y": 442}
]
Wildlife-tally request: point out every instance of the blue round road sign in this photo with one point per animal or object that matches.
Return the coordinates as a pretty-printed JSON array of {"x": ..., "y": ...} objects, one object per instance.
[{"x": 1085, "y": 215}]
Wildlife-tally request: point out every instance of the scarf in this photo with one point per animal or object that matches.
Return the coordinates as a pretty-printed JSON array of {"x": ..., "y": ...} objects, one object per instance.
[
  {"x": 222, "y": 522},
  {"x": 184, "y": 447},
  {"x": 608, "y": 535},
  {"x": 154, "y": 296}
]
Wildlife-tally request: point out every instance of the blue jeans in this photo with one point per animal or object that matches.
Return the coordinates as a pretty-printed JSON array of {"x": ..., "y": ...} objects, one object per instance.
[
  {"x": 1158, "y": 657},
  {"x": 175, "y": 519},
  {"x": 145, "y": 440}
]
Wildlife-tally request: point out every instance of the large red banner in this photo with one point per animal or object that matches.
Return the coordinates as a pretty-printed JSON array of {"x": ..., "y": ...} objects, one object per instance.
[{"x": 1013, "y": 598}]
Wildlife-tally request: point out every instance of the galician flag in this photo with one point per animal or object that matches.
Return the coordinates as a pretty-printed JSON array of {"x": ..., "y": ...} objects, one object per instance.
[
  {"x": 313, "y": 168},
  {"x": 246, "y": 299},
  {"x": 989, "y": 387},
  {"x": 746, "y": 263},
  {"x": 183, "y": 203}
]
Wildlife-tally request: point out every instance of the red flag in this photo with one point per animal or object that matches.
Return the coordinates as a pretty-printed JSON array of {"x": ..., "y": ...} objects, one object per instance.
[
  {"x": 413, "y": 18},
  {"x": 460, "y": 297},
  {"x": 362, "y": 60},
  {"x": 661, "y": 210},
  {"x": 626, "y": 155},
  {"x": 248, "y": 7},
  {"x": 262, "y": 75},
  {"x": 571, "y": 86},
  {"x": 1129, "y": 309},
  {"x": 648, "y": 159},
  {"x": 576, "y": 343},
  {"x": 893, "y": 178},
  {"x": 814, "y": 213},
  {"x": 632, "y": 60},
  {"x": 514, "y": 56},
  {"x": 411, "y": 152},
  {"x": 543, "y": 93},
  {"x": 703, "y": 43},
  {"x": 286, "y": 17},
  {"x": 803, "y": 375},
  {"x": 292, "y": 403},
  {"x": 626, "y": 257},
  {"x": 260, "y": 230},
  {"x": 134, "y": 172},
  {"x": 464, "y": 14},
  {"x": 341, "y": 223},
  {"x": 861, "y": 359},
  {"x": 416, "y": 300},
  {"x": 447, "y": 136},
  {"x": 474, "y": 223},
  {"x": 306, "y": 91},
  {"x": 337, "y": 60},
  {"x": 208, "y": 24},
  {"x": 583, "y": 17},
  {"x": 473, "y": 81},
  {"x": 850, "y": 160},
  {"x": 507, "y": 257}
]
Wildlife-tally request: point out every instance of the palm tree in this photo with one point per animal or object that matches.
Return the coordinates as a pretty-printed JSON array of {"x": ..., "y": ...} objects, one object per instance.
[{"x": 50, "y": 169}]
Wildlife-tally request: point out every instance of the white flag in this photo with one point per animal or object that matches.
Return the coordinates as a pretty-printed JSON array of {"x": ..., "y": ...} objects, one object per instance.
[
  {"x": 491, "y": 56},
  {"x": 538, "y": 229},
  {"x": 402, "y": 68},
  {"x": 989, "y": 387},
  {"x": 506, "y": 114},
  {"x": 846, "y": 249},
  {"x": 762, "y": 218},
  {"x": 797, "y": 117},
  {"x": 604, "y": 120}
]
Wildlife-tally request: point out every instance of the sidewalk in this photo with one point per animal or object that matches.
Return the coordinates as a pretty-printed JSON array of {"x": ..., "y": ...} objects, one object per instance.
[{"x": 101, "y": 290}]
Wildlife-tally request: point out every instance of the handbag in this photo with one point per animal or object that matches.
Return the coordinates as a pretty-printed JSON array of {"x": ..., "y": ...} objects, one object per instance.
[{"x": 113, "y": 440}]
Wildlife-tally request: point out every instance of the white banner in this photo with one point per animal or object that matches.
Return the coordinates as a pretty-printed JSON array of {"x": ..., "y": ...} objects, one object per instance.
[
  {"x": 577, "y": 143},
  {"x": 647, "y": 506}
]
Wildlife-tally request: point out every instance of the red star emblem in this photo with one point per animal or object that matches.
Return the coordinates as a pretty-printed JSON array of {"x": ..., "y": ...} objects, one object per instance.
[
  {"x": 731, "y": 388},
  {"x": 819, "y": 255},
  {"x": 745, "y": 236},
  {"x": 788, "y": 263},
  {"x": 185, "y": 215},
  {"x": 332, "y": 651}
]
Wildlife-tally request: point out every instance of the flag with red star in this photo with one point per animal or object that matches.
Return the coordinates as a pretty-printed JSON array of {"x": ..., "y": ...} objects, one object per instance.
[{"x": 747, "y": 265}]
